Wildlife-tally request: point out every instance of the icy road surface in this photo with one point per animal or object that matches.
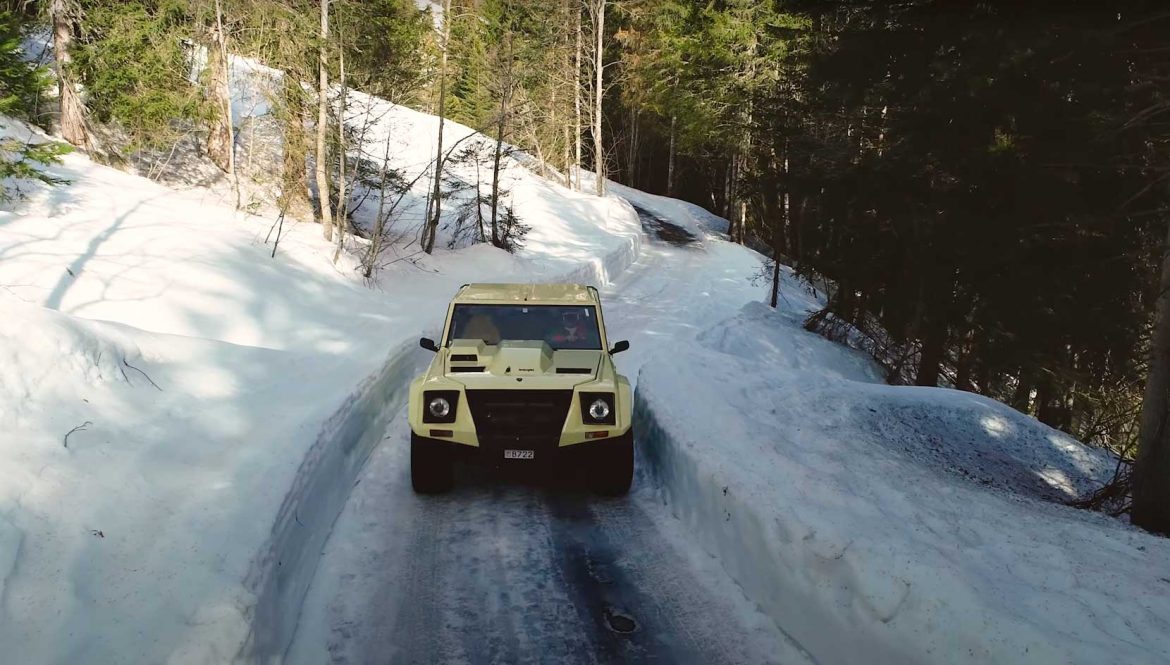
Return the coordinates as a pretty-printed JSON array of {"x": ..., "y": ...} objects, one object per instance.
[{"x": 504, "y": 572}]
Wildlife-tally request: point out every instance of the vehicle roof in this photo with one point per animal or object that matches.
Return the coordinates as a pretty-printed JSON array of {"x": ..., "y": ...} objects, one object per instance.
[{"x": 534, "y": 293}]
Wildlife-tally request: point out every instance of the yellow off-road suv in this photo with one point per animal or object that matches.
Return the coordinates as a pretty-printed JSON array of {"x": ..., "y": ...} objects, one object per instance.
[{"x": 522, "y": 376}]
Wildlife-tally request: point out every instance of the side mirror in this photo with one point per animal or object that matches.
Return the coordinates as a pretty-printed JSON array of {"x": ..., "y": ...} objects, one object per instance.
[
  {"x": 619, "y": 347},
  {"x": 428, "y": 344}
]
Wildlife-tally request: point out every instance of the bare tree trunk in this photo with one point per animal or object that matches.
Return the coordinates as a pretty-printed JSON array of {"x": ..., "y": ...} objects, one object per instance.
[
  {"x": 742, "y": 221},
  {"x": 342, "y": 194},
  {"x": 567, "y": 158},
  {"x": 728, "y": 178},
  {"x": 73, "y": 124},
  {"x": 632, "y": 152},
  {"x": 933, "y": 334},
  {"x": 376, "y": 240},
  {"x": 1151, "y": 470},
  {"x": 434, "y": 207},
  {"x": 219, "y": 138},
  {"x": 568, "y": 73},
  {"x": 496, "y": 176},
  {"x": 1022, "y": 395},
  {"x": 576, "y": 174},
  {"x": 501, "y": 127},
  {"x": 223, "y": 131},
  {"x": 598, "y": 94},
  {"x": 540, "y": 155},
  {"x": 322, "y": 161},
  {"x": 775, "y": 281},
  {"x": 670, "y": 160}
]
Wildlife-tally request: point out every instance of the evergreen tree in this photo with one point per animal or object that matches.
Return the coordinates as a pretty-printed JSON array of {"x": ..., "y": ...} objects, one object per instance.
[
  {"x": 21, "y": 86},
  {"x": 135, "y": 64}
]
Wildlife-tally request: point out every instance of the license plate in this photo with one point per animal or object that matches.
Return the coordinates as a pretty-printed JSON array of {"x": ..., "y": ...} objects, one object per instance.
[{"x": 519, "y": 454}]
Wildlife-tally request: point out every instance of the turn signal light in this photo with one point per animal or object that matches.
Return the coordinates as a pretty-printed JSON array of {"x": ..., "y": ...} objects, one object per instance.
[
  {"x": 446, "y": 433},
  {"x": 596, "y": 435}
]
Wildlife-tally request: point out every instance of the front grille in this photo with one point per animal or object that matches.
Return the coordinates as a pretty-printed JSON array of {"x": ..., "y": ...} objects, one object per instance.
[{"x": 519, "y": 416}]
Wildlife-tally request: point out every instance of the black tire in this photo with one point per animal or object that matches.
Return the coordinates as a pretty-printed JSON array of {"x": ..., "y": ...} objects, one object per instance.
[
  {"x": 613, "y": 467},
  {"x": 430, "y": 466}
]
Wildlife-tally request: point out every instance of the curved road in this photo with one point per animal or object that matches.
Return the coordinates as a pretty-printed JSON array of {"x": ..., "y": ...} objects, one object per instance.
[{"x": 507, "y": 570}]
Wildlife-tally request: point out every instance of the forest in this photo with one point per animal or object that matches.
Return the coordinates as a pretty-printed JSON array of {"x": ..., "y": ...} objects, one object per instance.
[{"x": 982, "y": 187}]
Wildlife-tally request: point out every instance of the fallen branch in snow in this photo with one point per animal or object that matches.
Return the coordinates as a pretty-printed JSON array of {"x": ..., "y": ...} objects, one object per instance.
[
  {"x": 142, "y": 373},
  {"x": 80, "y": 428},
  {"x": 14, "y": 293},
  {"x": 280, "y": 221},
  {"x": 279, "y": 229},
  {"x": 1114, "y": 498}
]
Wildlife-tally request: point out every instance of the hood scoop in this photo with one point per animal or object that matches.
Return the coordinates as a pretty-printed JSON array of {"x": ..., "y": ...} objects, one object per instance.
[
  {"x": 521, "y": 359},
  {"x": 465, "y": 355}
]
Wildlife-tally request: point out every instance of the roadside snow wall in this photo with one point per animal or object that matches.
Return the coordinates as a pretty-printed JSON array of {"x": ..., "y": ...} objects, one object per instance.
[
  {"x": 842, "y": 508},
  {"x": 280, "y": 576}
]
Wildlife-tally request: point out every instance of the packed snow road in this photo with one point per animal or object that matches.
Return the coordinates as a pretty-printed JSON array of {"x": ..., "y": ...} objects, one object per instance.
[{"x": 505, "y": 570}]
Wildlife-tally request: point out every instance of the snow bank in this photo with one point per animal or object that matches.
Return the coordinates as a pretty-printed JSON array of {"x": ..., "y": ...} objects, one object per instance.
[
  {"x": 280, "y": 576},
  {"x": 820, "y": 492},
  {"x": 128, "y": 487},
  {"x": 48, "y": 355}
]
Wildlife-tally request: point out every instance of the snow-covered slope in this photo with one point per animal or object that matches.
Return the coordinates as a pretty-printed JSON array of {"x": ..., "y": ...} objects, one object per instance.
[
  {"x": 220, "y": 401},
  {"x": 887, "y": 524}
]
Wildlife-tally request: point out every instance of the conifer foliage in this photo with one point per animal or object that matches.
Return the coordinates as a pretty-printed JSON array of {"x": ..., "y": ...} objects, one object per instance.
[{"x": 21, "y": 87}]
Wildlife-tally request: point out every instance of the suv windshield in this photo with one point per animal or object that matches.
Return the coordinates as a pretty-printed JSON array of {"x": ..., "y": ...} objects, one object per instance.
[{"x": 562, "y": 326}]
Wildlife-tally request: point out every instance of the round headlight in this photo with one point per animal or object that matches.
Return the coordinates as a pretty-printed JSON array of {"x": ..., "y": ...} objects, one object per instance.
[
  {"x": 439, "y": 407},
  {"x": 599, "y": 409}
]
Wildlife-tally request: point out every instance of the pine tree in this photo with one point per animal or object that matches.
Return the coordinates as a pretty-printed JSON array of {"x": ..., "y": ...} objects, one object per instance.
[
  {"x": 21, "y": 85},
  {"x": 134, "y": 63}
]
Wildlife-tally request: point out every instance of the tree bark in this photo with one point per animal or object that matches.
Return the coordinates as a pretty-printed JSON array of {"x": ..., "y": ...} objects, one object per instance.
[
  {"x": 723, "y": 202},
  {"x": 795, "y": 224},
  {"x": 220, "y": 138},
  {"x": 1151, "y": 470},
  {"x": 342, "y": 193},
  {"x": 435, "y": 207},
  {"x": 776, "y": 222},
  {"x": 598, "y": 94},
  {"x": 632, "y": 149},
  {"x": 73, "y": 123},
  {"x": 935, "y": 294},
  {"x": 501, "y": 127},
  {"x": 322, "y": 161},
  {"x": 575, "y": 177},
  {"x": 670, "y": 159},
  {"x": 933, "y": 348}
]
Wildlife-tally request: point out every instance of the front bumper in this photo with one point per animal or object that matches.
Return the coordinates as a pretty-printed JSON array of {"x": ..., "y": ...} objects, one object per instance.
[{"x": 491, "y": 450}]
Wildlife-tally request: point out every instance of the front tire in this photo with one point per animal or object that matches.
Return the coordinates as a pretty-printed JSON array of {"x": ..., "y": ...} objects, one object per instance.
[
  {"x": 613, "y": 467},
  {"x": 430, "y": 466}
]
